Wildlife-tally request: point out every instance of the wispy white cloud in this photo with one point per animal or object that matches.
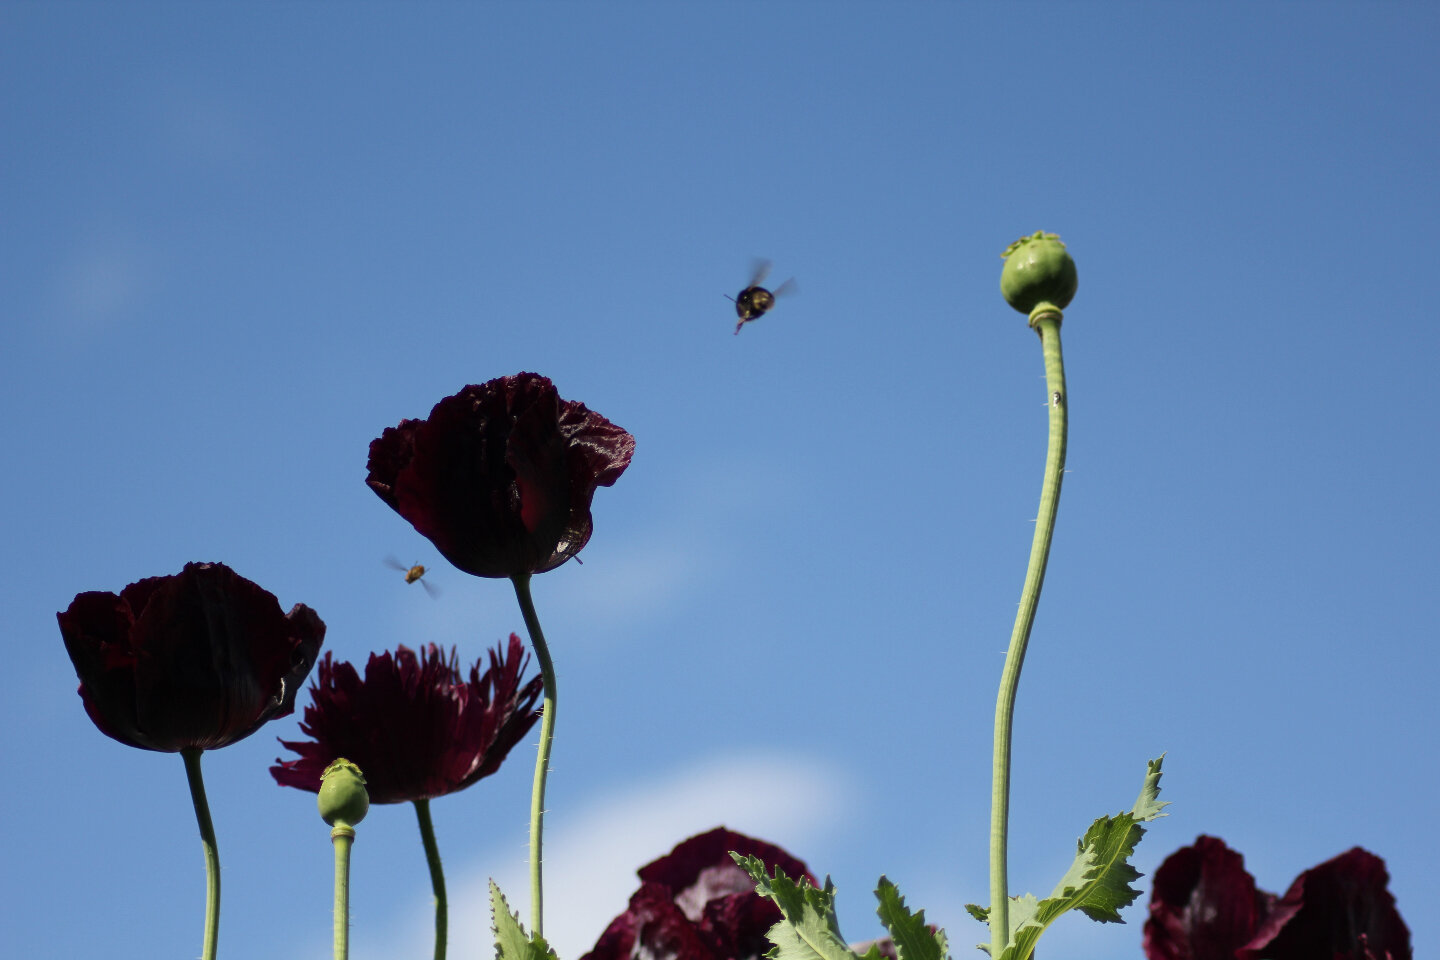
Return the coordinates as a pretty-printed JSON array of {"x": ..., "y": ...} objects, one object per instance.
[
  {"x": 102, "y": 280},
  {"x": 591, "y": 855}
]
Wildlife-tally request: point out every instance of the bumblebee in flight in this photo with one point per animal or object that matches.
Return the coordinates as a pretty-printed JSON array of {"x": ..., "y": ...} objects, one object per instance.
[{"x": 755, "y": 300}]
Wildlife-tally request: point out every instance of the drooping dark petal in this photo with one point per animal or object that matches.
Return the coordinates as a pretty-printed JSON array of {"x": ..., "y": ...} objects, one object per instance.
[
  {"x": 337, "y": 685},
  {"x": 390, "y": 453},
  {"x": 96, "y": 631},
  {"x": 500, "y": 476},
  {"x": 413, "y": 726},
  {"x": 199, "y": 659},
  {"x": 506, "y": 708},
  {"x": 1204, "y": 904},
  {"x": 651, "y": 928},
  {"x": 1340, "y": 910},
  {"x": 604, "y": 450},
  {"x": 394, "y": 725}
]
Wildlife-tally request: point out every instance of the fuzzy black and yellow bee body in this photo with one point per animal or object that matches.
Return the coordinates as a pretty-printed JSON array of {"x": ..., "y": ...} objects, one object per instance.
[{"x": 755, "y": 300}]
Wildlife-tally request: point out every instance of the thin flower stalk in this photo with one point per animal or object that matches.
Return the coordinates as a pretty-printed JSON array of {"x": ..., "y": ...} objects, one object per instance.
[
  {"x": 1047, "y": 323},
  {"x": 437, "y": 876},
  {"x": 191, "y": 756},
  {"x": 542, "y": 758},
  {"x": 342, "y": 837}
]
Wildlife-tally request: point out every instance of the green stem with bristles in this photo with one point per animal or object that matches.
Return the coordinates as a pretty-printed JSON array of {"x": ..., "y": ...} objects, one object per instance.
[
  {"x": 191, "y": 756},
  {"x": 342, "y": 837},
  {"x": 1047, "y": 323},
  {"x": 437, "y": 876},
  {"x": 542, "y": 759}
]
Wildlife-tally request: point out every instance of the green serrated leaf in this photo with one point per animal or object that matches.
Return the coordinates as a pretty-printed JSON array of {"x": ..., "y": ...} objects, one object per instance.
[
  {"x": 1025, "y": 927},
  {"x": 809, "y": 930},
  {"x": 873, "y": 953},
  {"x": 1147, "y": 805},
  {"x": 1098, "y": 881},
  {"x": 913, "y": 939},
  {"x": 511, "y": 942}
]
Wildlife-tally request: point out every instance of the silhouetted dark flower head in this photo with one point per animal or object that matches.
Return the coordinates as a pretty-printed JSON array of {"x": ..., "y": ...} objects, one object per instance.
[
  {"x": 413, "y": 726},
  {"x": 696, "y": 904},
  {"x": 198, "y": 659},
  {"x": 500, "y": 476},
  {"x": 1341, "y": 909},
  {"x": 1205, "y": 906}
]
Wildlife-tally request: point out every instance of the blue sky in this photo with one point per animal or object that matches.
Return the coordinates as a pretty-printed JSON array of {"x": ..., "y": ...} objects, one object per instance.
[{"x": 239, "y": 241}]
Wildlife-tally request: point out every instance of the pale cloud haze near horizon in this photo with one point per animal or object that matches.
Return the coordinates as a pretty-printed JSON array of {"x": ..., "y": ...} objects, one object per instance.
[{"x": 592, "y": 853}]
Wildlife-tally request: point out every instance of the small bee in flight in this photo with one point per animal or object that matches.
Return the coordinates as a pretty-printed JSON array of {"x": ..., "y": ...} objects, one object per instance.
[
  {"x": 754, "y": 300},
  {"x": 413, "y": 574}
]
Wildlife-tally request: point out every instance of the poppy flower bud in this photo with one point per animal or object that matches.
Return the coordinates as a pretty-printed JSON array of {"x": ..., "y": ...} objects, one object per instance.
[
  {"x": 1039, "y": 273},
  {"x": 342, "y": 799}
]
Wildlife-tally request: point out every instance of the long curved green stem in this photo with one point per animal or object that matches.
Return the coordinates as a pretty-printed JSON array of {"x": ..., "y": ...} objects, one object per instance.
[
  {"x": 1047, "y": 324},
  {"x": 542, "y": 760},
  {"x": 342, "y": 837},
  {"x": 437, "y": 876},
  {"x": 191, "y": 756}
]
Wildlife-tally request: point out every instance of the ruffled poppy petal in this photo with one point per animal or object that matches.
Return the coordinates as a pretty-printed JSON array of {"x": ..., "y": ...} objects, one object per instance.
[
  {"x": 414, "y": 727},
  {"x": 1204, "y": 904},
  {"x": 509, "y": 708},
  {"x": 696, "y": 902},
  {"x": 1340, "y": 910},
  {"x": 652, "y": 928},
  {"x": 688, "y": 865},
  {"x": 500, "y": 476}
]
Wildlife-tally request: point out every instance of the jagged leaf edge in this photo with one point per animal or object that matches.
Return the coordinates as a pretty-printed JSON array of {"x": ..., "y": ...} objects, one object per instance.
[
  {"x": 809, "y": 929},
  {"x": 1030, "y": 917},
  {"x": 511, "y": 941},
  {"x": 913, "y": 938}
]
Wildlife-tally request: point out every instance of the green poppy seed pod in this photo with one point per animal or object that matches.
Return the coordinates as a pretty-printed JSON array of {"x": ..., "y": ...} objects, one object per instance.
[
  {"x": 1039, "y": 273},
  {"x": 342, "y": 798}
]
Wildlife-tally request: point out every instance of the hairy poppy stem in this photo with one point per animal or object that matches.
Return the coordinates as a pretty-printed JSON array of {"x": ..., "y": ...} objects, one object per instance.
[
  {"x": 191, "y": 756},
  {"x": 437, "y": 876},
  {"x": 1046, "y": 321},
  {"x": 542, "y": 760},
  {"x": 342, "y": 837}
]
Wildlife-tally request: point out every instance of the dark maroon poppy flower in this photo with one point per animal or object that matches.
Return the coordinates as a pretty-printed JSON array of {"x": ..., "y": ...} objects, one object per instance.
[
  {"x": 696, "y": 904},
  {"x": 414, "y": 727},
  {"x": 501, "y": 475},
  {"x": 199, "y": 659},
  {"x": 1205, "y": 906},
  {"x": 1341, "y": 909}
]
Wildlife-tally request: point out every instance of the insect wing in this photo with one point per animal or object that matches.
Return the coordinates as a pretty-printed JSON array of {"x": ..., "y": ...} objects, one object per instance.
[
  {"x": 785, "y": 289},
  {"x": 761, "y": 269}
]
